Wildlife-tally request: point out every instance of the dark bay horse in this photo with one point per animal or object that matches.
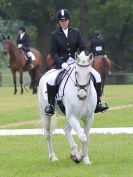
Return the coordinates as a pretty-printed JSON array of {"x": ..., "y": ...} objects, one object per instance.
[
  {"x": 18, "y": 61},
  {"x": 100, "y": 63},
  {"x": 49, "y": 62}
]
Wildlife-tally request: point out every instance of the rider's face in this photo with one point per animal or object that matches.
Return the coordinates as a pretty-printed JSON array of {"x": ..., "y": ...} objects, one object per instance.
[
  {"x": 64, "y": 23},
  {"x": 20, "y": 31}
]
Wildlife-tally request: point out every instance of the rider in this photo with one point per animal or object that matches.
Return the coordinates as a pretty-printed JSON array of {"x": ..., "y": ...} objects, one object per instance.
[
  {"x": 65, "y": 41},
  {"x": 23, "y": 43},
  {"x": 97, "y": 45}
]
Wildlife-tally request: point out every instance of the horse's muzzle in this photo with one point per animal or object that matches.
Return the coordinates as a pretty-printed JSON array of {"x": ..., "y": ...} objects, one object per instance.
[{"x": 82, "y": 94}]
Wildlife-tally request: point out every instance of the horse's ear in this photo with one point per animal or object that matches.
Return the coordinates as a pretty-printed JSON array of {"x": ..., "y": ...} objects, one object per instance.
[
  {"x": 8, "y": 37},
  {"x": 76, "y": 55},
  {"x": 3, "y": 36},
  {"x": 91, "y": 57}
]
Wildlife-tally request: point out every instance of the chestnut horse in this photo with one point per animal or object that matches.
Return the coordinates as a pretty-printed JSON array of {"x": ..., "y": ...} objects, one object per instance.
[
  {"x": 103, "y": 65},
  {"x": 18, "y": 61},
  {"x": 100, "y": 63}
]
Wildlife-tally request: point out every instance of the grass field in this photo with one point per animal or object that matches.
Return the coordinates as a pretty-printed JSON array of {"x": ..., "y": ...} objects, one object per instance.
[
  {"x": 26, "y": 156},
  {"x": 23, "y": 109}
]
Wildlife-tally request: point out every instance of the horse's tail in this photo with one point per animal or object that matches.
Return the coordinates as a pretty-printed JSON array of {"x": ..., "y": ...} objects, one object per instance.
[{"x": 104, "y": 68}]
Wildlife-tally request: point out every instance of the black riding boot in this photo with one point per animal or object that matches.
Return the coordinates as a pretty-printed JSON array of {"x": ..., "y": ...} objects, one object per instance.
[
  {"x": 100, "y": 107},
  {"x": 51, "y": 91}
]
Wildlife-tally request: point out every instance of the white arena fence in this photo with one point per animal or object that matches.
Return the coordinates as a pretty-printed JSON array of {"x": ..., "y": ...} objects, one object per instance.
[{"x": 14, "y": 132}]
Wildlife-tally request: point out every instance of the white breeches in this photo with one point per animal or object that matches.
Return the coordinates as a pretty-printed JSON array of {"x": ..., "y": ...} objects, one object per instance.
[
  {"x": 96, "y": 75},
  {"x": 53, "y": 73}
]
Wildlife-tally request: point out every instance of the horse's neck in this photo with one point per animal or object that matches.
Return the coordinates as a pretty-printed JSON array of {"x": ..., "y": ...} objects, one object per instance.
[{"x": 14, "y": 53}]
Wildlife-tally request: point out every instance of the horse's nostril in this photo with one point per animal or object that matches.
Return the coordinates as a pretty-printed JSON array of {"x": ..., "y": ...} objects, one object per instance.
[
  {"x": 81, "y": 98},
  {"x": 82, "y": 94}
]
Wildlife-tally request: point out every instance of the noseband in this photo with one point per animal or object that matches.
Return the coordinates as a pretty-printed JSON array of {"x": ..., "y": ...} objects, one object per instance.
[{"x": 85, "y": 85}]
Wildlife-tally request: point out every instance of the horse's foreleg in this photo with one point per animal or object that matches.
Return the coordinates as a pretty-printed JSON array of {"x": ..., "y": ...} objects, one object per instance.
[
  {"x": 21, "y": 81},
  {"x": 14, "y": 81},
  {"x": 48, "y": 134},
  {"x": 84, "y": 147},
  {"x": 75, "y": 124},
  {"x": 73, "y": 145}
]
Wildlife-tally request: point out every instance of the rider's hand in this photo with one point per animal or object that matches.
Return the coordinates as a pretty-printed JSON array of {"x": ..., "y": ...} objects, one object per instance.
[{"x": 65, "y": 66}]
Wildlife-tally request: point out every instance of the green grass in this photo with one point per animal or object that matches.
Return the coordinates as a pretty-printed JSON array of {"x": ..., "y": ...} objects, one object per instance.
[
  {"x": 20, "y": 108},
  {"x": 17, "y": 108},
  {"x": 7, "y": 79},
  {"x": 26, "y": 156}
]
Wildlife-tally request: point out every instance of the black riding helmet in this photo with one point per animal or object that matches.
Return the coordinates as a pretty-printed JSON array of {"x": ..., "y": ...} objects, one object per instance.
[
  {"x": 97, "y": 33},
  {"x": 63, "y": 14},
  {"x": 22, "y": 28}
]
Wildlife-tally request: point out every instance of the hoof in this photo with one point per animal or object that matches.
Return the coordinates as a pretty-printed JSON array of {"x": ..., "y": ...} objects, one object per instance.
[
  {"x": 86, "y": 160},
  {"x": 53, "y": 158},
  {"x": 75, "y": 158}
]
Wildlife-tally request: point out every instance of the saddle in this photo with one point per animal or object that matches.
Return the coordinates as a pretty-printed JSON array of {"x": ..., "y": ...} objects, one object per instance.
[
  {"x": 28, "y": 54},
  {"x": 59, "y": 79},
  {"x": 60, "y": 82}
]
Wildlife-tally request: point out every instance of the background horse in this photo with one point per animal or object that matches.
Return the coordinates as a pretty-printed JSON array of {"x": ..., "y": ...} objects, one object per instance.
[
  {"x": 80, "y": 102},
  {"x": 18, "y": 61},
  {"x": 49, "y": 62},
  {"x": 103, "y": 65}
]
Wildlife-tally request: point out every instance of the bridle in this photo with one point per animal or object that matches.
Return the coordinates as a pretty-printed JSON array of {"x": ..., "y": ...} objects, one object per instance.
[{"x": 84, "y": 86}]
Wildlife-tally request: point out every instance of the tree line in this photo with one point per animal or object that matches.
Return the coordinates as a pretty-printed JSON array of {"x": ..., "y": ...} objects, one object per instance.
[{"x": 114, "y": 18}]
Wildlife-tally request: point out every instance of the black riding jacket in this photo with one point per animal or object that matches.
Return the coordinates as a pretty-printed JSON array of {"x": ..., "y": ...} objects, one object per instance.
[
  {"x": 63, "y": 47},
  {"x": 24, "y": 41},
  {"x": 97, "y": 46}
]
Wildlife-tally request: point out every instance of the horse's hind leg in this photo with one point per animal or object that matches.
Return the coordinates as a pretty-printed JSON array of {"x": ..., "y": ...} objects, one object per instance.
[
  {"x": 47, "y": 124},
  {"x": 33, "y": 81},
  {"x": 37, "y": 77},
  {"x": 48, "y": 134},
  {"x": 45, "y": 118},
  {"x": 21, "y": 81},
  {"x": 73, "y": 145}
]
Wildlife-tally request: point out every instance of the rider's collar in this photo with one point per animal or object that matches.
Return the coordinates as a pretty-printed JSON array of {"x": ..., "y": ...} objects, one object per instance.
[
  {"x": 21, "y": 35},
  {"x": 61, "y": 30}
]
